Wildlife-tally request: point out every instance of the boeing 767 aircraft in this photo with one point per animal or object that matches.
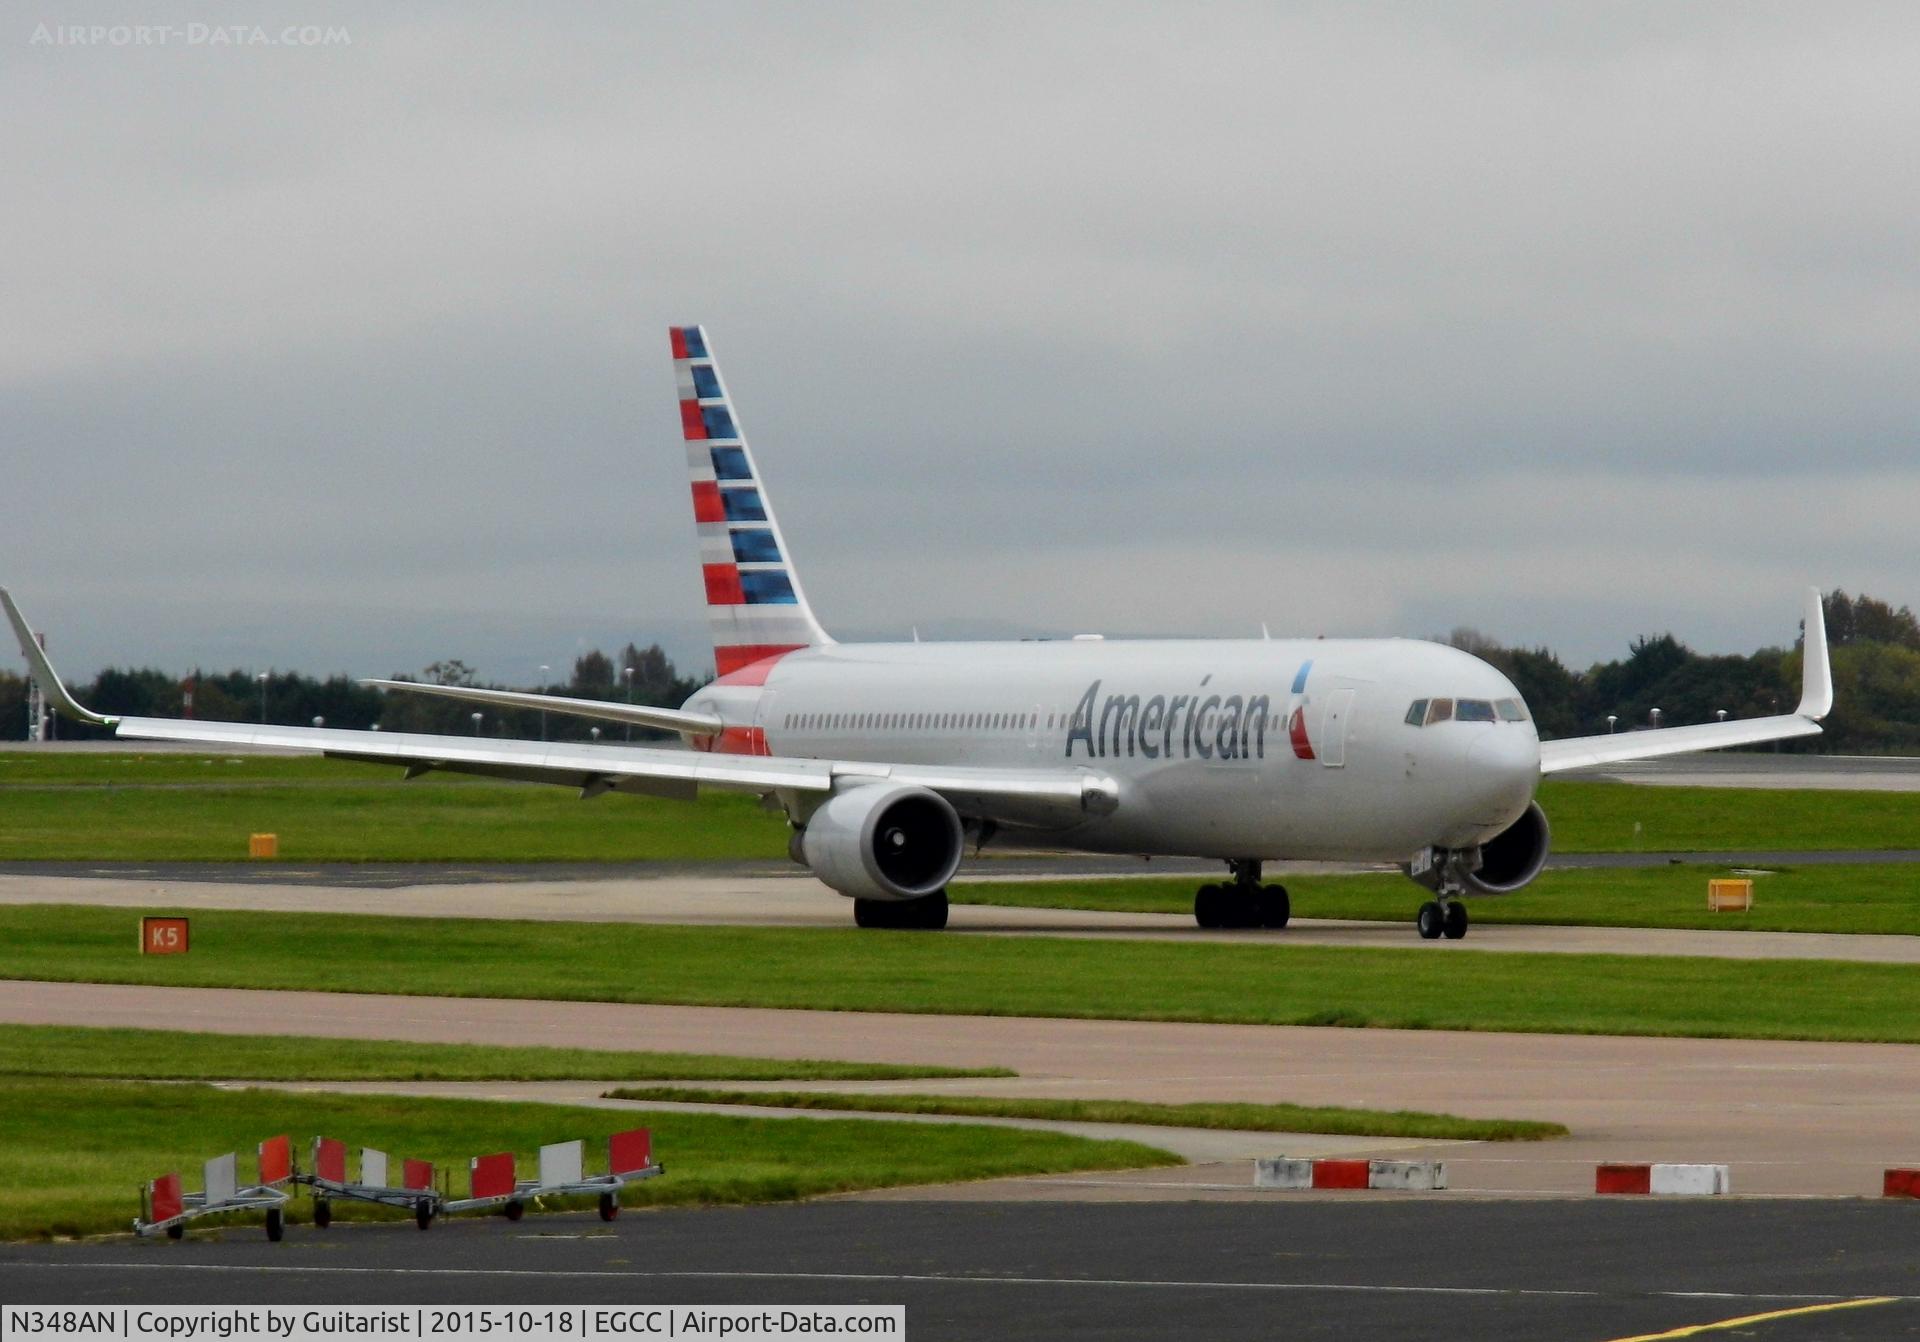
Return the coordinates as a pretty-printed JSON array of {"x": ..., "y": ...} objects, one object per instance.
[{"x": 890, "y": 759}]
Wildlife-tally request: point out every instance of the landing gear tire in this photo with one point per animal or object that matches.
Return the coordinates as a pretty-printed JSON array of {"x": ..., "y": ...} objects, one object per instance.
[
  {"x": 1210, "y": 907},
  {"x": 1454, "y": 924},
  {"x": 423, "y": 1213},
  {"x": 176, "y": 1231},
  {"x": 926, "y": 914},
  {"x": 514, "y": 1210},
  {"x": 609, "y": 1206},
  {"x": 1275, "y": 907},
  {"x": 1432, "y": 920},
  {"x": 322, "y": 1214},
  {"x": 276, "y": 1224}
]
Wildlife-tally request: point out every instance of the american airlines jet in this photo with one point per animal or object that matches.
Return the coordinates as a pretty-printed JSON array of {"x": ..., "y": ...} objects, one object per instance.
[{"x": 890, "y": 760}]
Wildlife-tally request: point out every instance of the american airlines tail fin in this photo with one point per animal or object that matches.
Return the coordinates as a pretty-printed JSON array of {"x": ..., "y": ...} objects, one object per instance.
[{"x": 755, "y": 604}]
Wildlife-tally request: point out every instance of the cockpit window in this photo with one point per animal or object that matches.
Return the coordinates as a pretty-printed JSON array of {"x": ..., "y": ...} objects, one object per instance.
[
  {"x": 1512, "y": 710},
  {"x": 1418, "y": 713},
  {"x": 1439, "y": 711},
  {"x": 1474, "y": 710}
]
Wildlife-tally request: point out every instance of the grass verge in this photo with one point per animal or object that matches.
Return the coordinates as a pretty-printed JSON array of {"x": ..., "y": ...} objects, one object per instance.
[
  {"x": 1838, "y": 898},
  {"x": 1227, "y": 1116},
  {"x": 73, "y": 1051},
  {"x": 1420, "y": 987},
  {"x": 72, "y": 1153}
]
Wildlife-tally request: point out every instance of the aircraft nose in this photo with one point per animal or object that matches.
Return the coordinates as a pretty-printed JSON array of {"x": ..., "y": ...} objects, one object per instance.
[{"x": 1505, "y": 762}]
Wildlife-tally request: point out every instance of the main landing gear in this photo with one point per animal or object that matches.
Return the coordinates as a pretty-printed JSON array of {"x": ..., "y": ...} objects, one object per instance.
[
  {"x": 926, "y": 914},
  {"x": 1244, "y": 902},
  {"x": 1443, "y": 917}
]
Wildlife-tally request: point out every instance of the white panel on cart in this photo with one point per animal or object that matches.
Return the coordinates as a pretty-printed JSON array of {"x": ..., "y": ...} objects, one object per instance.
[
  {"x": 373, "y": 1167},
  {"x": 221, "y": 1182},
  {"x": 562, "y": 1163}
]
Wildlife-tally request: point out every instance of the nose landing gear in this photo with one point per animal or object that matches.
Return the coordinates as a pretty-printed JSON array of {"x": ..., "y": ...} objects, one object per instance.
[
  {"x": 1442, "y": 918},
  {"x": 1244, "y": 902}
]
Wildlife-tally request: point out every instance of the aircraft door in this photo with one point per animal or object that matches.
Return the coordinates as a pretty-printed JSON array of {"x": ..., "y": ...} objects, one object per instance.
[
  {"x": 1333, "y": 728},
  {"x": 764, "y": 718}
]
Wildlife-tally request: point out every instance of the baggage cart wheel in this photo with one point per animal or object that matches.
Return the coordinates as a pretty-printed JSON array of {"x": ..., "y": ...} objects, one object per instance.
[
  {"x": 276, "y": 1224},
  {"x": 514, "y": 1209},
  {"x": 177, "y": 1230},
  {"x": 609, "y": 1206},
  {"x": 423, "y": 1213},
  {"x": 323, "y": 1213}
]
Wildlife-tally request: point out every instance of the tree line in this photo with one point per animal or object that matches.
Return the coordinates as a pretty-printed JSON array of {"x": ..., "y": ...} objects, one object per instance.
[
  {"x": 287, "y": 697},
  {"x": 1876, "y": 673}
]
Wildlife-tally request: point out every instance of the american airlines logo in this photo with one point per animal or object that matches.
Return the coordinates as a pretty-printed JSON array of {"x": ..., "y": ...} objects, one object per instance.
[{"x": 1179, "y": 726}]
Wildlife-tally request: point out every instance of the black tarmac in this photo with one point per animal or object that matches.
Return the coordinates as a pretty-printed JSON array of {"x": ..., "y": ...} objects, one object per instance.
[{"x": 1366, "y": 1266}]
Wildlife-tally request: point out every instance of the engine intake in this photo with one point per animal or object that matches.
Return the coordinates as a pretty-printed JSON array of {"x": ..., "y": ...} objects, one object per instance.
[
  {"x": 882, "y": 841},
  {"x": 1514, "y": 856}
]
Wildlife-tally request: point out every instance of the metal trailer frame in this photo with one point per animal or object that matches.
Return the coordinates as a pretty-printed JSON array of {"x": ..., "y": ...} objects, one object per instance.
[
  {"x": 560, "y": 1175},
  {"x": 165, "y": 1209},
  {"x": 423, "y": 1200}
]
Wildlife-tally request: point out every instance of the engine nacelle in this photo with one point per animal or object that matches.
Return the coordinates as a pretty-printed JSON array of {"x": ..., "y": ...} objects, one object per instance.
[
  {"x": 884, "y": 841},
  {"x": 1514, "y": 856}
]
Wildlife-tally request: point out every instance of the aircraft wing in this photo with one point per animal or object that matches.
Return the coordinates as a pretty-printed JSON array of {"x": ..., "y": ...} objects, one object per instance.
[
  {"x": 639, "y": 715},
  {"x": 1816, "y": 701},
  {"x": 1047, "y": 797}
]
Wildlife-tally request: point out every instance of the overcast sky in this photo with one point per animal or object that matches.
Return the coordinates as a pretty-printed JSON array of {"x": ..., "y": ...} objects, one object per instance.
[{"x": 1568, "y": 323}]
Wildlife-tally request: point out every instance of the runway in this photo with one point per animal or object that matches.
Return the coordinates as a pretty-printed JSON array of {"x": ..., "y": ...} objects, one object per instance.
[
  {"x": 1792, "y": 1118},
  {"x": 1400, "y": 1268},
  {"x": 800, "y": 902}
]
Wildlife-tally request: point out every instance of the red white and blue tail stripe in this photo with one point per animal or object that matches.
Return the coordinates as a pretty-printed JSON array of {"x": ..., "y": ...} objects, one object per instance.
[{"x": 754, "y": 600}]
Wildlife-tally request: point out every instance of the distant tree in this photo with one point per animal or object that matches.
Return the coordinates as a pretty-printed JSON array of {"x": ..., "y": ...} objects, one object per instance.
[{"x": 592, "y": 676}]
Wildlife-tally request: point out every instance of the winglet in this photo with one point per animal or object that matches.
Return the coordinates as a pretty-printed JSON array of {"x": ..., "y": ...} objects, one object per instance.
[
  {"x": 43, "y": 672},
  {"x": 1816, "y": 670}
]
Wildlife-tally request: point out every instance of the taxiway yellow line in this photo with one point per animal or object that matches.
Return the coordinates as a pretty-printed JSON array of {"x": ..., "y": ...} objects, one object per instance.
[{"x": 1747, "y": 1319}]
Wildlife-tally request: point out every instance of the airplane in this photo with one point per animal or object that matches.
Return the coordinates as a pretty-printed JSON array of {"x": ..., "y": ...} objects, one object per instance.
[{"x": 891, "y": 760}]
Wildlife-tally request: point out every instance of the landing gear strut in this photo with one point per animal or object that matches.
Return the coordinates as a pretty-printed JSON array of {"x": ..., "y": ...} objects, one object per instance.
[
  {"x": 1244, "y": 902},
  {"x": 926, "y": 914}
]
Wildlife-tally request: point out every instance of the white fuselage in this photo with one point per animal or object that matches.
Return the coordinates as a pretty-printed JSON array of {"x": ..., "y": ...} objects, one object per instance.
[{"x": 1231, "y": 749}]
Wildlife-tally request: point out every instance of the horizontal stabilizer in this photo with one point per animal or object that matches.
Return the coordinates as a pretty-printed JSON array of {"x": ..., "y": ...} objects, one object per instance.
[{"x": 636, "y": 715}]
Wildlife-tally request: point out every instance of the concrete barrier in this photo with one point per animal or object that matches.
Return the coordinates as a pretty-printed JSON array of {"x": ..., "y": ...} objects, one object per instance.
[
  {"x": 1422, "y": 1176},
  {"x": 1662, "y": 1179}
]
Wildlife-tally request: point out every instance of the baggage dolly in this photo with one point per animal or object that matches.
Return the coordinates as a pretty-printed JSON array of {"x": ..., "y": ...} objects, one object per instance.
[
  {"x": 492, "y": 1186},
  {"x": 415, "y": 1192},
  {"x": 165, "y": 1209}
]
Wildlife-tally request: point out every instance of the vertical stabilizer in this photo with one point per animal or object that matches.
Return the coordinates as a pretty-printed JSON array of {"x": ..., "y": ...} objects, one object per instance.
[{"x": 755, "y": 603}]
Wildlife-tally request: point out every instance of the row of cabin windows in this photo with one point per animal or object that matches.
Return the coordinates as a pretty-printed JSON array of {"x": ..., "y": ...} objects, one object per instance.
[
  {"x": 942, "y": 721},
  {"x": 1426, "y": 712}
]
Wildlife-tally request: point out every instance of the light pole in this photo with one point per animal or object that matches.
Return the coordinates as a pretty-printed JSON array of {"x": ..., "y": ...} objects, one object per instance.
[
  {"x": 627, "y": 672},
  {"x": 1720, "y": 713},
  {"x": 476, "y": 724},
  {"x": 1611, "y": 719},
  {"x": 544, "y": 670},
  {"x": 1655, "y": 717},
  {"x": 262, "y": 678}
]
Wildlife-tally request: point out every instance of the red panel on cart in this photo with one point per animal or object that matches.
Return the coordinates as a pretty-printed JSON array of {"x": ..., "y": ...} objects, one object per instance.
[
  {"x": 163, "y": 1196},
  {"x": 276, "y": 1160},
  {"x": 492, "y": 1175},
  {"x": 330, "y": 1159},
  {"x": 417, "y": 1175},
  {"x": 630, "y": 1151}
]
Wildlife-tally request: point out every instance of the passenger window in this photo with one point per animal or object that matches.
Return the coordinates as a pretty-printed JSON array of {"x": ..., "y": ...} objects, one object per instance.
[
  {"x": 1439, "y": 711},
  {"x": 1475, "y": 710},
  {"x": 1418, "y": 713}
]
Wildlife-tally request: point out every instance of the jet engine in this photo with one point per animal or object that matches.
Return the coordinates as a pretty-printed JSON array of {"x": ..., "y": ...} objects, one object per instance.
[
  {"x": 884, "y": 841},
  {"x": 1514, "y": 856}
]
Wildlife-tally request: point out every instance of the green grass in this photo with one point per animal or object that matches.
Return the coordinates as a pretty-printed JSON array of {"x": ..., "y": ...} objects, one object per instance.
[
  {"x": 172, "y": 807},
  {"x": 73, "y": 1153},
  {"x": 1837, "y": 898},
  {"x": 161, "y": 1055},
  {"x": 1228, "y": 1116},
  {"x": 1267, "y": 982}
]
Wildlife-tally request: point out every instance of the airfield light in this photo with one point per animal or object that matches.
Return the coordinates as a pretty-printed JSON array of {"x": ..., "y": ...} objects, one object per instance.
[
  {"x": 594, "y": 732},
  {"x": 319, "y": 721},
  {"x": 1654, "y": 717},
  {"x": 476, "y": 724}
]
